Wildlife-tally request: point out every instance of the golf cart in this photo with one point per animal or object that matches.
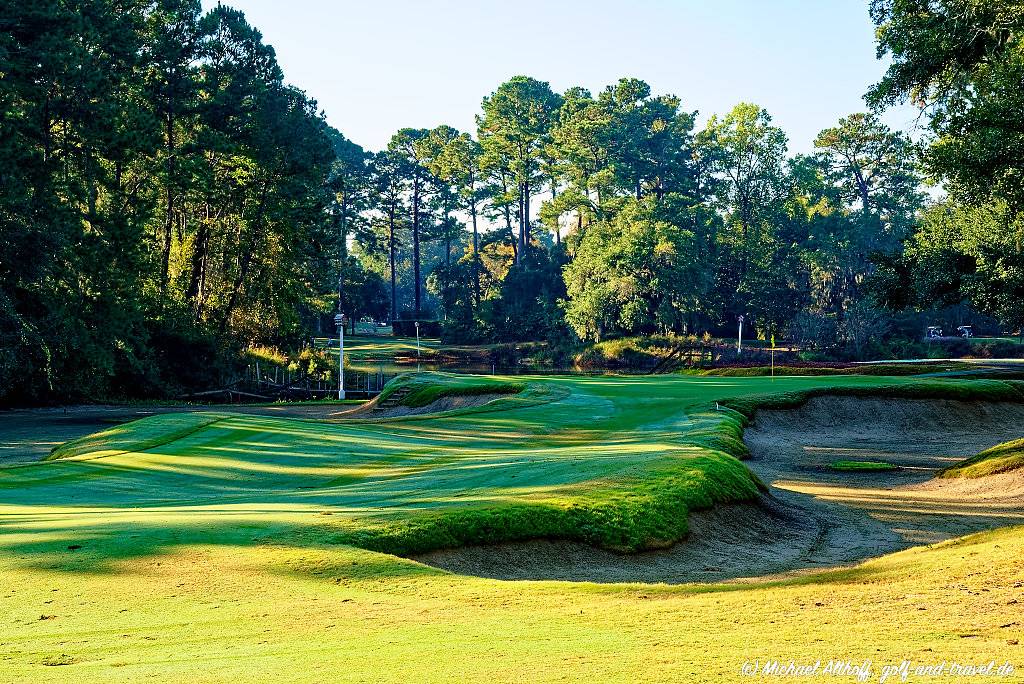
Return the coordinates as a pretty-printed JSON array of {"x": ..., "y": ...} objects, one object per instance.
[
  {"x": 965, "y": 331},
  {"x": 934, "y": 332}
]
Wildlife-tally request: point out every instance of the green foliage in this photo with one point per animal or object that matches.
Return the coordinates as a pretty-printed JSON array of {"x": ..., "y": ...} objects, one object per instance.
[
  {"x": 187, "y": 193},
  {"x": 160, "y": 181},
  {"x": 629, "y": 352},
  {"x": 633, "y": 274},
  {"x": 962, "y": 62},
  {"x": 961, "y": 253},
  {"x": 1003, "y": 458}
]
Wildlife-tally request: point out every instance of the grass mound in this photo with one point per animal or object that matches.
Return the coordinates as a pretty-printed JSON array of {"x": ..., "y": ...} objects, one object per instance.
[
  {"x": 862, "y": 466},
  {"x": 416, "y": 390},
  {"x": 138, "y": 435},
  {"x": 628, "y": 515},
  {"x": 1002, "y": 458}
]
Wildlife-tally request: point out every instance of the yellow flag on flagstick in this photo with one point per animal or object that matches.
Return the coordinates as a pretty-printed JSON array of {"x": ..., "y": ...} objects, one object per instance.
[{"x": 773, "y": 340}]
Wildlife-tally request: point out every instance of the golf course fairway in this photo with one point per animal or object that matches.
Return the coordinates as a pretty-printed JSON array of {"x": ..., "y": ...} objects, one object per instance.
[{"x": 211, "y": 547}]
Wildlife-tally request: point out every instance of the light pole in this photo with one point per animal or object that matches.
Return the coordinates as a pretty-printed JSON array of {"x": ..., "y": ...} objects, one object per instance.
[
  {"x": 739, "y": 340},
  {"x": 339, "y": 320}
]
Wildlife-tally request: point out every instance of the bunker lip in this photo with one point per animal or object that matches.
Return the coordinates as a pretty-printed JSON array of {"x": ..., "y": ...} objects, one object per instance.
[{"x": 813, "y": 517}]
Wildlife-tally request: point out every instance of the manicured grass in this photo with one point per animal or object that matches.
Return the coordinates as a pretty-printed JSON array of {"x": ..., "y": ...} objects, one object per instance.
[
  {"x": 1002, "y": 458},
  {"x": 425, "y": 388},
  {"x": 881, "y": 369},
  {"x": 228, "y": 551},
  {"x": 862, "y": 466},
  {"x": 139, "y": 435}
]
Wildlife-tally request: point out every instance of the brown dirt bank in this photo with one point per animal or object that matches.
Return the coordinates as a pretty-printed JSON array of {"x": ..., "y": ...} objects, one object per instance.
[{"x": 814, "y": 517}]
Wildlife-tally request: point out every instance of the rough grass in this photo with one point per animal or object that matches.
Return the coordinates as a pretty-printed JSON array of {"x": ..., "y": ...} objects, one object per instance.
[
  {"x": 862, "y": 466},
  {"x": 426, "y": 388},
  {"x": 1002, "y": 458}
]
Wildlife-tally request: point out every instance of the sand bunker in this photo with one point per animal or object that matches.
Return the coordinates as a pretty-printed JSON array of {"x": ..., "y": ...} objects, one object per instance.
[{"x": 814, "y": 517}]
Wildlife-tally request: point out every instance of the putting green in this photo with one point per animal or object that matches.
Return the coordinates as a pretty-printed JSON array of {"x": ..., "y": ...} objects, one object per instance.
[{"x": 214, "y": 552}]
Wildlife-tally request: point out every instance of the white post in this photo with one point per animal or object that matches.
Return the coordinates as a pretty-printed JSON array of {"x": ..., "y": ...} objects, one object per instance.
[
  {"x": 739, "y": 340},
  {"x": 417, "y": 339},
  {"x": 339, "y": 320}
]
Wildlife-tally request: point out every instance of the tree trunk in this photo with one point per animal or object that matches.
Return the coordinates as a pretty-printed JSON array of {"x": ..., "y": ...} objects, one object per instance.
[
  {"x": 416, "y": 243},
  {"x": 476, "y": 257},
  {"x": 198, "y": 271},
  {"x": 247, "y": 257},
  {"x": 558, "y": 228},
  {"x": 391, "y": 245},
  {"x": 165, "y": 257},
  {"x": 526, "y": 217},
  {"x": 447, "y": 237}
]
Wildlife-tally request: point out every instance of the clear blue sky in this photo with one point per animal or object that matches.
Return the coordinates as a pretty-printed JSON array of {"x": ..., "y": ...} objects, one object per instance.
[{"x": 376, "y": 66}]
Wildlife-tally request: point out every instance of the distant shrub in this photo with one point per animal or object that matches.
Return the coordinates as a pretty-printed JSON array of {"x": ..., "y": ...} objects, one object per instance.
[{"x": 631, "y": 353}]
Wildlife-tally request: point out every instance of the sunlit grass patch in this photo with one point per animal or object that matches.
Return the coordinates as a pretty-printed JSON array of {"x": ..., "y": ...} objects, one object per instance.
[
  {"x": 862, "y": 466},
  {"x": 138, "y": 435},
  {"x": 1002, "y": 458}
]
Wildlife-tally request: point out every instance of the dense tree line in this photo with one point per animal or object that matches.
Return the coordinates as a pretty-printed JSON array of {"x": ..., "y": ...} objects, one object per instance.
[
  {"x": 615, "y": 215},
  {"x": 163, "y": 193},
  {"x": 167, "y": 198},
  {"x": 962, "y": 62}
]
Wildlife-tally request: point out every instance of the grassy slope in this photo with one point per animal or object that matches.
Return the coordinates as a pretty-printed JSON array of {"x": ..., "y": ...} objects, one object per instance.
[
  {"x": 223, "y": 542},
  {"x": 426, "y": 388},
  {"x": 138, "y": 435},
  {"x": 1002, "y": 458}
]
